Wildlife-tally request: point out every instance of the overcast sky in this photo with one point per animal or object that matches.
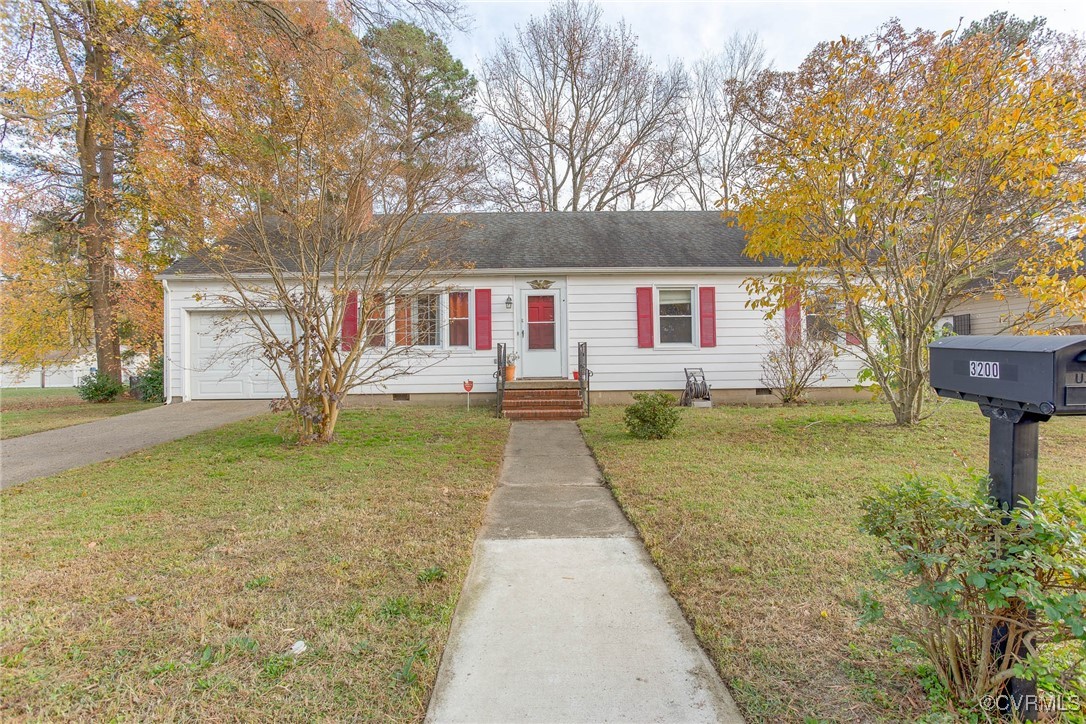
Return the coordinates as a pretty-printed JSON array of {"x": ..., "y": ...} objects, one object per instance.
[{"x": 687, "y": 29}]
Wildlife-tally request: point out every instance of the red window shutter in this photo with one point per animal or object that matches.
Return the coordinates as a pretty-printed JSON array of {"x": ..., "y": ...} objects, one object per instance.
[
  {"x": 483, "y": 324},
  {"x": 644, "y": 316},
  {"x": 793, "y": 332},
  {"x": 707, "y": 308},
  {"x": 350, "y": 322},
  {"x": 403, "y": 321},
  {"x": 851, "y": 338}
]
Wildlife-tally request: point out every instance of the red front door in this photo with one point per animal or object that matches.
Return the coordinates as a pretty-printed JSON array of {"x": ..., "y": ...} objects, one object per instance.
[
  {"x": 541, "y": 334},
  {"x": 540, "y": 321}
]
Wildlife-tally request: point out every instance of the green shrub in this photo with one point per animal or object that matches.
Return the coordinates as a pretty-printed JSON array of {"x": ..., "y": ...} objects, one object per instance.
[
  {"x": 150, "y": 387},
  {"x": 653, "y": 416},
  {"x": 972, "y": 569},
  {"x": 99, "y": 387}
]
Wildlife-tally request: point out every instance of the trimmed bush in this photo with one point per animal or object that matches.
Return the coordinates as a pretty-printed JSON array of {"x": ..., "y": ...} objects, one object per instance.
[
  {"x": 150, "y": 387},
  {"x": 976, "y": 573},
  {"x": 99, "y": 387},
  {"x": 652, "y": 417}
]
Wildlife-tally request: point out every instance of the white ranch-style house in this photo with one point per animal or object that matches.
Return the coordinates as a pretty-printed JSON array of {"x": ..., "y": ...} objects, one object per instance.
[{"x": 650, "y": 292}]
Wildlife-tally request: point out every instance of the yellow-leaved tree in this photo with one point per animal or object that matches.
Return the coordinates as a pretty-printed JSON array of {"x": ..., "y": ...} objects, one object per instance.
[
  {"x": 45, "y": 321},
  {"x": 898, "y": 173}
]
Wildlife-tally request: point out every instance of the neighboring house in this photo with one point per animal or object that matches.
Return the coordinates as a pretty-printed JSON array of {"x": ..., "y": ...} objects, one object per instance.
[
  {"x": 650, "y": 292},
  {"x": 63, "y": 372},
  {"x": 984, "y": 314}
]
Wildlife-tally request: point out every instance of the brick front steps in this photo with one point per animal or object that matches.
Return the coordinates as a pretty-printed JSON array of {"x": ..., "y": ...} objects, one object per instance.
[{"x": 543, "y": 400}]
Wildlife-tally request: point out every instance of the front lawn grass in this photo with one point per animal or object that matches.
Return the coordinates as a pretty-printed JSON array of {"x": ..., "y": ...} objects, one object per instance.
[
  {"x": 752, "y": 516},
  {"x": 173, "y": 584},
  {"x": 27, "y": 410}
]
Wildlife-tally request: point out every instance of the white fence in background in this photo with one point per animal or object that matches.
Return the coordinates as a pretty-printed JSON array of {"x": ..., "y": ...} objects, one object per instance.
[{"x": 64, "y": 376}]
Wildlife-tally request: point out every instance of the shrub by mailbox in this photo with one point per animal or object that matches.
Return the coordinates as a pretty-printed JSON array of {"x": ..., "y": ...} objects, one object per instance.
[
  {"x": 1043, "y": 375},
  {"x": 1019, "y": 382}
]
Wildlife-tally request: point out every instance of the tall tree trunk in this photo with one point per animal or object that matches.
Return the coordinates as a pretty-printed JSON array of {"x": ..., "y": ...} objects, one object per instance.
[
  {"x": 99, "y": 247},
  {"x": 95, "y": 142}
]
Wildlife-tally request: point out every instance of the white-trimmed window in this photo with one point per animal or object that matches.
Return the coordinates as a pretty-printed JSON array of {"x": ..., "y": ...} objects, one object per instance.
[
  {"x": 377, "y": 322},
  {"x": 459, "y": 319},
  {"x": 426, "y": 320},
  {"x": 418, "y": 320},
  {"x": 435, "y": 319},
  {"x": 675, "y": 315}
]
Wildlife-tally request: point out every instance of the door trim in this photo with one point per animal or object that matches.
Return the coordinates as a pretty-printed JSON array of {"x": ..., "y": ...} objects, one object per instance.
[{"x": 558, "y": 288}]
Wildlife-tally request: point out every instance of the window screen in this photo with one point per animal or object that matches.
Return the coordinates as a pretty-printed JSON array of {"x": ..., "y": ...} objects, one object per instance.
[
  {"x": 676, "y": 316},
  {"x": 458, "y": 319},
  {"x": 427, "y": 310}
]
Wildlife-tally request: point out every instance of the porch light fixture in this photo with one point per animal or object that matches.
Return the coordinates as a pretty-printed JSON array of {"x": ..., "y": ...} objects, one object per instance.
[{"x": 509, "y": 302}]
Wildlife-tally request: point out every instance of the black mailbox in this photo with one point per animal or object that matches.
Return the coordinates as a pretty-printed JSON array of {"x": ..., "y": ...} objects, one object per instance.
[
  {"x": 1042, "y": 375},
  {"x": 1019, "y": 383}
]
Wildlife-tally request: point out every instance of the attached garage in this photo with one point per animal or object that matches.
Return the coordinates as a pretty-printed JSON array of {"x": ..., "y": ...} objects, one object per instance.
[{"x": 225, "y": 361}]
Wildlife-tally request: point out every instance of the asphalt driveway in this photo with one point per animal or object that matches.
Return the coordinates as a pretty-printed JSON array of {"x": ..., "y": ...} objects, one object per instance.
[{"x": 54, "y": 451}]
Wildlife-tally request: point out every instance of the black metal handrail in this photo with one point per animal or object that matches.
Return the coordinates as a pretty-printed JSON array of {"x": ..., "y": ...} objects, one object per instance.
[
  {"x": 499, "y": 376},
  {"x": 585, "y": 376}
]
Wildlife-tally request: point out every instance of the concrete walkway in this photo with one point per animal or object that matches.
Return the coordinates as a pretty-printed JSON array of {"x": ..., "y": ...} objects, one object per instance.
[
  {"x": 563, "y": 617},
  {"x": 54, "y": 451}
]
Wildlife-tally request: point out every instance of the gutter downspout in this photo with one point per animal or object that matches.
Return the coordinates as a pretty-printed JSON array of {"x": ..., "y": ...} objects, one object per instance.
[{"x": 166, "y": 377}]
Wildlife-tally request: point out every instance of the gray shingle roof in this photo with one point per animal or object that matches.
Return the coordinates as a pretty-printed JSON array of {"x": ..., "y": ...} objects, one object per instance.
[{"x": 589, "y": 240}]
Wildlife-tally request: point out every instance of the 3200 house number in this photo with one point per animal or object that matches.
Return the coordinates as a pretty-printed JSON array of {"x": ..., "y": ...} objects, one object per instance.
[{"x": 987, "y": 370}]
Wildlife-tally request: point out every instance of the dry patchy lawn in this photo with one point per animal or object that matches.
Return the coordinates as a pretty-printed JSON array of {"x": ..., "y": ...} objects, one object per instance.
[
  {"x": 172, "y": 584},
  {"x": 752, "y": 515},
  {"x": 24, "y": 411}
]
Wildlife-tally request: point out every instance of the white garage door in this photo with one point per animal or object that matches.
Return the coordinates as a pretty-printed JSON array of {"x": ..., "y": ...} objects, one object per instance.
[{"x": 224, "y": 361}]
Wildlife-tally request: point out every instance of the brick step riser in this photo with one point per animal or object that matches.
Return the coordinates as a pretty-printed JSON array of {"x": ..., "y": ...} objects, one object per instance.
[
  {"x": 540, "y": 404},
  {"x": 542, "y": 394},
  {"x": 542, "y": 415},
  {"x": 567, "y": 410}
]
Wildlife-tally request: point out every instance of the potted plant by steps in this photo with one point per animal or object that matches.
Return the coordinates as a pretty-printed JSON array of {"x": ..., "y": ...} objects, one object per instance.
[{"x": 511, "y": 367}]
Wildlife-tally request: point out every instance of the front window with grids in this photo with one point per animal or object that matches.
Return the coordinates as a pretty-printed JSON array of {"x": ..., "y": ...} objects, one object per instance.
[
  {"x": 418, "y": 320},
  {"x": 823, "y": 317},
  {"x": 376, "y": 321}
]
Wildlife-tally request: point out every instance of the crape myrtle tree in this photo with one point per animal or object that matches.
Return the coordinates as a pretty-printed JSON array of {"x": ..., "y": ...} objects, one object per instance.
[
  {"x": 899, "y": 172},
  {"x": 274, "y": 154}
]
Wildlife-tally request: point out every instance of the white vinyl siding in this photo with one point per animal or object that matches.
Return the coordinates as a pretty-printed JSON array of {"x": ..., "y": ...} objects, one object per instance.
[
  {"x": 602, "y": 311},
  {"x": 436, "y": 369},
  {"x": 599, "y": 309}
]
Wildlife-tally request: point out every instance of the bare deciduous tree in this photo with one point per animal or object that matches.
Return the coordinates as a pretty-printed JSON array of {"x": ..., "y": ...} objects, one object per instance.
[
  {"x": 579, "y": 119},
  {"x": 294, "y": 160},
  {"x": 792, "y": 364},
  {"x": 715, "y": 129}
]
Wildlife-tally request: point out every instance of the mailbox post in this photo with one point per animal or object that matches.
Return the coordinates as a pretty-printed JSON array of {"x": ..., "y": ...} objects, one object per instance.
[{"x": 1019, "y": 382}]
